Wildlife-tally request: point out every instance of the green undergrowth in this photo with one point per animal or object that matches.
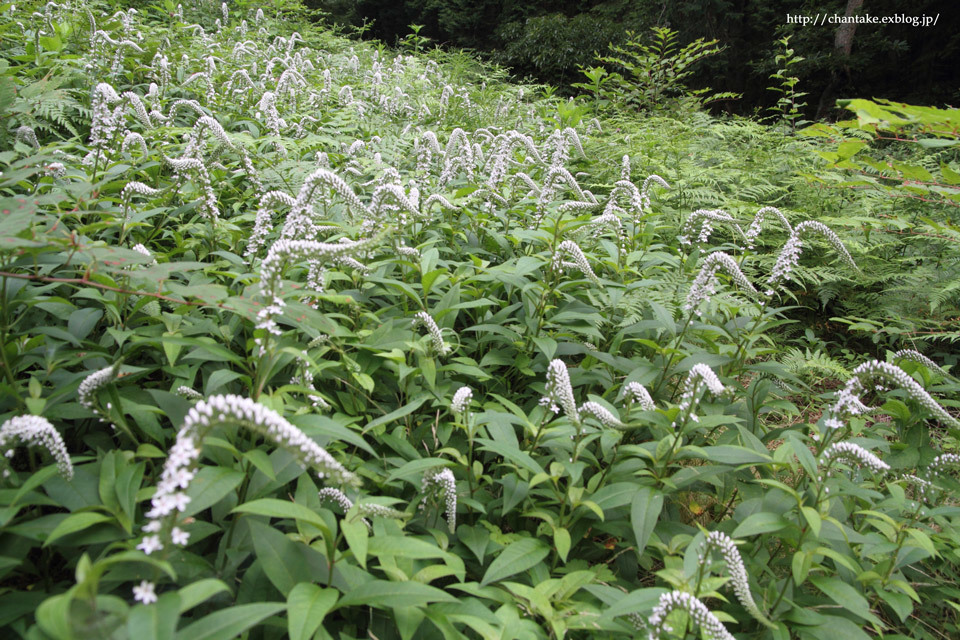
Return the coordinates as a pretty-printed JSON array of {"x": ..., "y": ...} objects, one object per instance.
[{"x": 501, "y": 368}]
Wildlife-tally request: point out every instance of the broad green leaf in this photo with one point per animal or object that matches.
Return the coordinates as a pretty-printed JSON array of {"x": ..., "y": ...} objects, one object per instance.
[
  {"x": 228, "y": 624},
  {"x": 356, "y": 533},
  {"x": 307, "y": 605},
  {"x": 210, "y": 486},
  {"x": 561, "y": 540},
  {"x": 644, "y": 513},
  {"x": 383, "y": 594},
  {"x": 156, "y": 621},
  {"x": 846, "y": 596},
  {"x": 200, "y": 591},
  {"x": 516, "y": 557},
  {"x": 763, "y": 522},
  {"x": 76, "y": 522},
  {"x": 285, "y": 562}
]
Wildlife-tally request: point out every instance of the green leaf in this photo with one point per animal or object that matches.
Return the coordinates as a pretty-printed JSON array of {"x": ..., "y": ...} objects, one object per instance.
[
  {"x": 285, "y": 562},
  {"x": 813, "y": 519},
  {"x": 210, "y": 486},
  {"x": 561, "y": 540},
  {"x": 734, "y": 455},
  {"x": 200, "y": 591},
  {"x": 516, "y": 557},
  {"x": 156, "y": 621},
  {"x": 644, "y": 513},
  {"x": 76, "y": 522},
  {"x": 307, "y": 605},
  {"x": 357, "y": 535},
  {"x": 384, "y": 594},
  {"x": 404, "y": 547},
  {"x": 845, "y": 596},
  {"x": 53, "y": 616},
  {"x": 228, "y": 624},
  {"x": 763, "y": 522}
]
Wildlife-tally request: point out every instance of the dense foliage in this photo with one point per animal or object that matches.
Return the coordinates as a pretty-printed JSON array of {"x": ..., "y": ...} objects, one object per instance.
[
  {"x": 308, "y": 337},
  {"x": 552, "y": 39}
]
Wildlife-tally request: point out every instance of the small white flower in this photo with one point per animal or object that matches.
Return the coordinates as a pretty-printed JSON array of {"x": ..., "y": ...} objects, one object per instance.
[
  {"x": 560, "y": 391},
  {"x": 446, "y": 485},
  {"x": 36, "y": 431},
  {"x": 424, "y": 318},
  {"x": 149, "y": 544},
  {"x": 179, "y": 537},
  {"x": 461, "y": 401},
  {"x": 145, "y": 592}
]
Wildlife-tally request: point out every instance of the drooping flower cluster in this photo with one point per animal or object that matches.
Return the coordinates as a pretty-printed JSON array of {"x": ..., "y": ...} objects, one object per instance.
[
  {"x": 444, "y": 484},
  {"x": 271, "y": 270},
  {"x": 636, "y": 392},
  {"x": 916, "y": 356},
  {"x": 789, "y": 254},
  {"x": 757, "y": 225},
  {"x": 601, "y": 413},
  {"x": 873, "y": 376},
  {"x": 423, "y": 318},
  {"x": 93, "y": 383},
  {"x": 699, "y": 373},
  {"x": 738, "y": 572},
  {"x": 461, "y": 402},
  {"x": 705, "y": 219},
  {"x": 698, "y": 612},
  {"x": 188, "y": 393},
  {"x": 560, "y": 391},
  {"x": 569, "y": 247},
  {"x": 645, "y": 189},
  {"x": 705, "y": 284},
  {"x": 171, "y": 499},
  {"x": 35, "y": 431},
  {"x": 853, "y": 453}
]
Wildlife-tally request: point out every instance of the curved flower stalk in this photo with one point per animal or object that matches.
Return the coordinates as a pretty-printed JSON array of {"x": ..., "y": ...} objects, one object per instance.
[
  {"x": 203, "y": 124},
  {"x": 634, "y": 392},
  {"x": 182, "y": 103},
  {"x": 873, "y": 375},
  {"x": 299, "y": 223},
  {"x": 188, "y": 394},
  {"x": 104, "y": 120},
  {"x": 442, "y": 483},
  {"x": 701, "y": 615},
  {"x": 132, "y": 138},
  {"x": 261, "y": 226},
  {"x": 426, "y": 147},
  {"x": 139, "y": 110},
  {"x": 268, "y": 105},
  {"x": 705, "y": 284},
  {"x": 282, "y": 251},
  {"x": 378, "y": 203},
  {"x": 699, "y": 373},
  {"x": 705, "y": 219},
  {"x": 179, "y": 470},
  {"x": 608, "y": 219},
  {"x": 28, "y": 136},
  {"x": 424, "y": 318},
  {"x": 579, "y": 259},
  {"x": 916, "y": 356},
  {"x": 601, "y": 413},
  {"x": 633, "y": 195},
  {"x": 207, "y": 80},
  {"x": 557, "y": 146},
  {"x": 94, "y": 382},
  {"x": 35, "y": 431},
  {"x": 208, "y": 205},
  {"x": 757, "y": 225},
  {"x": 304, "y": 378},
  {"x": 460, "y": 405},
  {"x": 851, "y": 453},
  {"x": 790, "y": 253},
  {"x": 645, "y": 189},
  {"x": 937, "y": 468},
  {"x": 738, "y": 572},
  {"x": 499, "y": 160},
  {"x": 560, "y": 391},
  {"x": 458, "y": 155}
]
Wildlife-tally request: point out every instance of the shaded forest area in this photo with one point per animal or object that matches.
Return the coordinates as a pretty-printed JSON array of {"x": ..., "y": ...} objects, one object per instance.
[{"x": 549, "y": 41}]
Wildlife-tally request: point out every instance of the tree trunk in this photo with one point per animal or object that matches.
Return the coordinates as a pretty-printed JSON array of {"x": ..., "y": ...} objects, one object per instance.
[{"x": 842, "y": 46}]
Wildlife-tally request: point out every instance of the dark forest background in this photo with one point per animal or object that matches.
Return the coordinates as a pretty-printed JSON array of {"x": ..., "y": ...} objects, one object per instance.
[{"x": 550, "y": 41}]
